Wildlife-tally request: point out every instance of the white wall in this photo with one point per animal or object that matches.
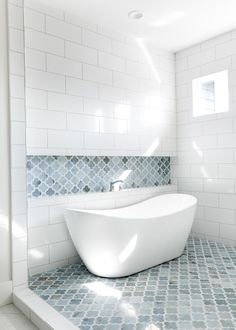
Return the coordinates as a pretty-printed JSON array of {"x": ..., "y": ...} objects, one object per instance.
[
  {"x": 93, "y": 91},
  {"x": 206, "y": 165},
  {"x": 5, "y": 248}
]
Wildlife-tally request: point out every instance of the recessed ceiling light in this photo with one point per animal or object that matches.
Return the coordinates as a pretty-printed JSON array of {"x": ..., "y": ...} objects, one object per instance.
[{"x": 135, "y": 14}]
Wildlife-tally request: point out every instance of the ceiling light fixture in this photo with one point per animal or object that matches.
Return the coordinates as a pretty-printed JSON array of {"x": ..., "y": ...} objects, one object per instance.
[{"x": 135, "y": 14}]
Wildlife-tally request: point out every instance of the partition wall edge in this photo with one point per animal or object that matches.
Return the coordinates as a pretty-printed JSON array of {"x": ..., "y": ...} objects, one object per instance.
[{"x": 5, "y": 237}]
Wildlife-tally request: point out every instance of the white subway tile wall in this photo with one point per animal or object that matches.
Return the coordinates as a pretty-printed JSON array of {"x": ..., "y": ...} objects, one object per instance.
[
  {"x": 207, "y": 145},
  {"x": 86, "y": 85}
]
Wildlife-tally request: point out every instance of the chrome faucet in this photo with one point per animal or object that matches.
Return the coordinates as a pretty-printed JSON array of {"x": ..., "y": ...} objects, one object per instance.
[{"x": 116, "y": 183}]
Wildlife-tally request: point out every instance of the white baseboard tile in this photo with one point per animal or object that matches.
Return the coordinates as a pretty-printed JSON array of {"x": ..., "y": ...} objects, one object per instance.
[
  {"x": 48, "y": 267},
  {"x": 39, "y": 312}
]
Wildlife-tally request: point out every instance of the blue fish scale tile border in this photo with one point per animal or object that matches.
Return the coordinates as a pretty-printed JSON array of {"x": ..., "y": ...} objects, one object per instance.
[
  {"x": 195, "y": 291},
  {"x": 59, "y": 175}
]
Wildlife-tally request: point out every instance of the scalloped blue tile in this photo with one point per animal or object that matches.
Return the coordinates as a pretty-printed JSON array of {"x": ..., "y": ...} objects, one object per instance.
[{"x": 60, "y": 175}]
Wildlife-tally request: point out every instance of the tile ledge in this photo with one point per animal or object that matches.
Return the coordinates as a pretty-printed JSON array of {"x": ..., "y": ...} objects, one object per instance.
[
  {"x": 39, "y": 312},
  {"x": 101, "y": 195}
]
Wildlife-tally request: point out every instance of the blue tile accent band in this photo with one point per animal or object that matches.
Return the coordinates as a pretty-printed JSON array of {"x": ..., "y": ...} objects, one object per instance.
[{"x": 60, "y": 175}]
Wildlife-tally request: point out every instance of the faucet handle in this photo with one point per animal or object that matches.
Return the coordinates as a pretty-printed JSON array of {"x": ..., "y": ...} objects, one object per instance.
[{"x": 113, "y": 184}]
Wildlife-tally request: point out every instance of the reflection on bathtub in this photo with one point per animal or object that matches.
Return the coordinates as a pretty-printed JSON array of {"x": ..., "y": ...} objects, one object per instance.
[{"x": 128, "y": 249}]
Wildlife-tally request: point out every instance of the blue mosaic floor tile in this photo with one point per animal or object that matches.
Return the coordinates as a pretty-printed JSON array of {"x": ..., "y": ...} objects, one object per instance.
[{"x": 195, "y": 291}]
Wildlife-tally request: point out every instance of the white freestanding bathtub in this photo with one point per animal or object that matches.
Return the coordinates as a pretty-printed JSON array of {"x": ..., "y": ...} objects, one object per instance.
[{"x": 120, "y": 242}]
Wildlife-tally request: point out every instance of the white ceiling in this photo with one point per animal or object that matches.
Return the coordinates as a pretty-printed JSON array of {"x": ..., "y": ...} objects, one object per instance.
[{"x": 170, "y": 24}]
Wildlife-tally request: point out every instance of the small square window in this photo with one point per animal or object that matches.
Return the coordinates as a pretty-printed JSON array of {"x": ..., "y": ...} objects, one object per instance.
[{"x": 210, "y": 94}]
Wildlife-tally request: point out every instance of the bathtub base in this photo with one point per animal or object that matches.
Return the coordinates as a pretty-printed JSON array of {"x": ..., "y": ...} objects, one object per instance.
[{"x": 137, "y": 272}]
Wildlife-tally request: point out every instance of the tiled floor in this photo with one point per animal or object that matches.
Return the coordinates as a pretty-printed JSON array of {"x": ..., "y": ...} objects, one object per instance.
[
  {"x": 195, "y": 291},
  {"x": 12, "y": 319}
]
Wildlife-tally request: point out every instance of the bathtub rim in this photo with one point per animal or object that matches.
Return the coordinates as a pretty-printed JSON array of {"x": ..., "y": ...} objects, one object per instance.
[{"x": 113, "y": 215}]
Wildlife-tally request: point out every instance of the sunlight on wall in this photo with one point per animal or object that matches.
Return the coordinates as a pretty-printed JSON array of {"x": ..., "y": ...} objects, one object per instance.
[
  {"x": 4, "y": 222},
  {"x": 153, "y": 147},
  {"x": 18, "y": 231},
  {"x": 124, "y": 255},
  {"x": 169, "y": 19},
  {"x": 36, "y": 254},
  {"x": 98, "y": 111},
  {"x": 157, "y": 119},
  {"x": 200, "y": 154},
  {"x": 204, "y": 172},
  {"x": 197, "y": 149},
  {"x": 122, "y": 111},
  {"x": 103, "y": 290},
  {"x": 154, "y": 116},
  {"x": 149, "y": 59},
  {"x": 120, "y": 126}
]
